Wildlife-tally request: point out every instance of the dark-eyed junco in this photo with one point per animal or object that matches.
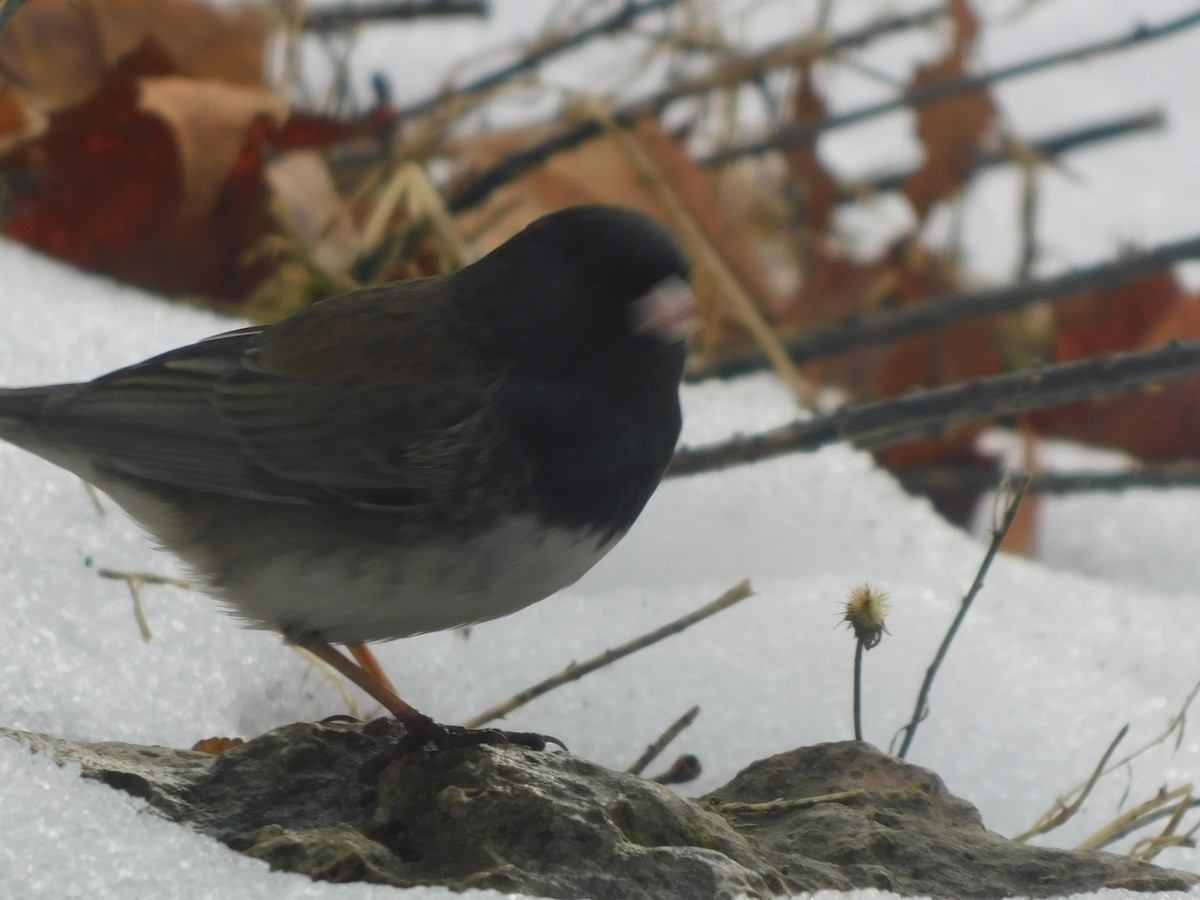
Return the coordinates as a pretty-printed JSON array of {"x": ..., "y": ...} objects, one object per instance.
[{"x": 405, "y": 458}]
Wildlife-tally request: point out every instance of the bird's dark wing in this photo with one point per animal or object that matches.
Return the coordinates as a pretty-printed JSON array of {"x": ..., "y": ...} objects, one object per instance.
[{"x": 367, "y": 397}]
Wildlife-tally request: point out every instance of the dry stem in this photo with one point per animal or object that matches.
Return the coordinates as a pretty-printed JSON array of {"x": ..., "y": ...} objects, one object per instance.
[
  {"x": 703, "y": 251},
  {"x": 1061, "y": 812},
  {"x": 920, "y": 710},
  {"x": 660, "y": 743},
  {"x": 575, "y": 671},
  {"x": 783, "y": 804},
  {"x": 134, "y": 581}
]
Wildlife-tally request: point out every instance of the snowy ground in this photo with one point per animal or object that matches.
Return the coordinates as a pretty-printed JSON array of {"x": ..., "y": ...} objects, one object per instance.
[
  {"x": 1046, "y": 670},
  {"x": 1048, "y": 667}
]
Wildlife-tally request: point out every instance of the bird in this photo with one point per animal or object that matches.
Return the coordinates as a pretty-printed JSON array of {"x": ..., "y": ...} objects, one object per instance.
[{"x": 404, "y": 458}]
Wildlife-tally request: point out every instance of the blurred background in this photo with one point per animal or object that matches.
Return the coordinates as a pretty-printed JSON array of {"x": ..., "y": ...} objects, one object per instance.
[{"x": 1020, "y": 174}]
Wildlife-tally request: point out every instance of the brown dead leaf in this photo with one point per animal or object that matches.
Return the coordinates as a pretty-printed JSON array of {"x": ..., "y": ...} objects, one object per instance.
[
  {"x": 114, "y": 188},
  {"x": 17, "y": 121},
  {"x": 905, "y": 275},
  {"x": 1124, "y": 317},
  {"x": 818, "y": 190},
  {"x": 950, "y": 130},
  {"x": 61, "y": 52},
  {"x": 1159, "y": 425},
  {"x": 1156, "y": 425},
  {"x": 210, "y": 122},
  {"x": 955, "y": 451}
]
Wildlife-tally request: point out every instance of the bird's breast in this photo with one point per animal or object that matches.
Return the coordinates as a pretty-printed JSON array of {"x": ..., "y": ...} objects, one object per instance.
[{"x": 356, "y": 592}]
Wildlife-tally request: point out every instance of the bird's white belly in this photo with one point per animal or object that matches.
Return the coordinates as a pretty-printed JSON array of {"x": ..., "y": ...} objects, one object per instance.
[{"x": 353, "y": 595}]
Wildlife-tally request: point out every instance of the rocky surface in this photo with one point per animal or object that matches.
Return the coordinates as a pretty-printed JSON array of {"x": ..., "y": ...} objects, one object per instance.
[{"x": 323, "y": 799}]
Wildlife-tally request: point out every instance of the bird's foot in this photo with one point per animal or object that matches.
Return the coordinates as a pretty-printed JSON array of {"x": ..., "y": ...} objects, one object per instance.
[{"x": 423, "y": 733}]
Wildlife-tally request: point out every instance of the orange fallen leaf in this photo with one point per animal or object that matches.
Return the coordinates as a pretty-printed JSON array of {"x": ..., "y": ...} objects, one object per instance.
[{"x": 215, "y": 746}]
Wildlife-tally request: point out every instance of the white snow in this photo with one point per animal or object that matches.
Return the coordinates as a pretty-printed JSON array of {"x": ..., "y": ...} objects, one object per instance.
[{"x": 1054, "y": 658}]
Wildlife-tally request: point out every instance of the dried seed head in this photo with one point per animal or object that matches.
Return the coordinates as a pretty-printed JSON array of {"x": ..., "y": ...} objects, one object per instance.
[{"x": 866, "y": 609}]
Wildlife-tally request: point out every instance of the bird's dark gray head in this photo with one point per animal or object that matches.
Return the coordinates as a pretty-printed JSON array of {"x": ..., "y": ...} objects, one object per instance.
[
  {"x": 569, "y": 292},
  {"x": 615, "y": 250}
]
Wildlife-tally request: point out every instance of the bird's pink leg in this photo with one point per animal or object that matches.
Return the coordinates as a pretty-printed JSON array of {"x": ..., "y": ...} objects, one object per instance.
[
  {"x": 364, "y": 657},
  {"x": 376, "y": 685}
]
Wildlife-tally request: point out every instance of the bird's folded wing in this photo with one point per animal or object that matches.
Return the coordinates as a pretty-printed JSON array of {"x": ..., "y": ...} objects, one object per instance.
[{"x": 300, "y": 421}]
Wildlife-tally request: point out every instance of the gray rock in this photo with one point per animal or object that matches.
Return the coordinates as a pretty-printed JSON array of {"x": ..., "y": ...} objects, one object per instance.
[{"x": 317, "y": 799}]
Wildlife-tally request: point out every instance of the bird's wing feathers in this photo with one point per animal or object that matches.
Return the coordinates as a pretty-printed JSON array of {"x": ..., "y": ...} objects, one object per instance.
[{"x": 263, "y": 412}]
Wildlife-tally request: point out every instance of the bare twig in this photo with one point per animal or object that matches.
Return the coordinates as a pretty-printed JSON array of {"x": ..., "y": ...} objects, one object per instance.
[
  {"x": 1049, "y": 147},
  {"x": 795, "y": 135},
  {"x": 335, "y": 18},
  {"x": 538, "y": 53},
  {"x": 885, "y": 327},
  {"x": 922, "y": 704},
  {"x": 926, "y": 413},
  {"x": 1062, "y": 811},
  {"x": 660, "y": 743},
  {"x": 575, "y": 671},
  {"x": 134, "y": 581},
  {"x": 945, "y": 478},
  {"x": 514, "y": 165}
]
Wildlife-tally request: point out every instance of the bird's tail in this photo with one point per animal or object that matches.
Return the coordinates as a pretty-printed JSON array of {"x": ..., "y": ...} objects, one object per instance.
[{"x": 20, "y": 408}]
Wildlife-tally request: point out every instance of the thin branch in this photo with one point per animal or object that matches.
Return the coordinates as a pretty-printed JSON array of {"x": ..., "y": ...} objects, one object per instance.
[
  {"x": 575, "y": 671},
  {"x": 922, "y": 704},
  {"x": 660, "y": 743},
  {"x": 946, "y": 478},
  {"x": 795, "y": 135},
  {"x": 513, "y": 166},
  {"x": 538, "y": 53},
  {"x": 1049, "y": 147},
  {"x": 889, "y": 326},
  {"x": 932, "y": 412},
  {"x": 336, "y": 18}
]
